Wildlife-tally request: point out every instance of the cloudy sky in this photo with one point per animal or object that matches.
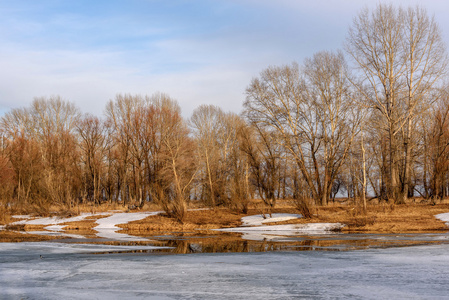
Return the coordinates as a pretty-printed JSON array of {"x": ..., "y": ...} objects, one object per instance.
[{"x": 198, "y": 51}]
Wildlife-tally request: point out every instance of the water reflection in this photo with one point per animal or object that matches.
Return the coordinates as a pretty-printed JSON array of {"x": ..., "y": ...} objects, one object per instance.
[
  {"x": 216, "y": 242},
  {"x": 332, "y": 242}
]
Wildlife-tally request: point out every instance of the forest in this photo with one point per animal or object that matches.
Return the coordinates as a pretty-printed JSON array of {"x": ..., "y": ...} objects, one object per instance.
[{"x": 368, "y": 122}]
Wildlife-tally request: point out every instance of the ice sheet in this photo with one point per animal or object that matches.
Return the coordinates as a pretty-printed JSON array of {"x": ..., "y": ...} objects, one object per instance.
[{"x": 68, "y": 271}]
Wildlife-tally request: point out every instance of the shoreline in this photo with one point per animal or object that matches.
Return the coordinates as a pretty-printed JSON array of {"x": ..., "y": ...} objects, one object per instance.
[{"x": 380, "y": 219}]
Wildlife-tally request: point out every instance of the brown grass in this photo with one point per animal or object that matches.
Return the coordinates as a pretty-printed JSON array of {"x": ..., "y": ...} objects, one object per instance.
[
  {"x": 380, "y": 218},
  {"x": 15, "y": 237},
  {"x": 195, "y": 219},
  {"x": 386, "y": 218}
]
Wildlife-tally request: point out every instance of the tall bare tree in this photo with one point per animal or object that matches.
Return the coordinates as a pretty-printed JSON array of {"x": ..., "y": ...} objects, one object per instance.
[
  {"x": 206, "y": 122},
  {"x": 311, "y": 113},
  {"x": 401, "y": 56}
]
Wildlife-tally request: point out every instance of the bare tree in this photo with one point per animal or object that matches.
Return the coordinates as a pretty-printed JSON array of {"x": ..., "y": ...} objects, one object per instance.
[
  {"x": 264, "y": 156},
  {"x": 311, "y": 113},
  {"x": 177, "y": 158},
  {"x": 401, "y": 56},
  {"x": 92, "y": 143},
  {"x": 206, "y": 122}
]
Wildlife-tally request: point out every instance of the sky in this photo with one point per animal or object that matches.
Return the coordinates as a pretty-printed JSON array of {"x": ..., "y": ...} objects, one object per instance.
[{"x": 197, "y": 51}]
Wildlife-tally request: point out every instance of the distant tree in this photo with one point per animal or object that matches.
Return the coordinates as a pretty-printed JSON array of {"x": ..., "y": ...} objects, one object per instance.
[{"x": 92, "y": 143}]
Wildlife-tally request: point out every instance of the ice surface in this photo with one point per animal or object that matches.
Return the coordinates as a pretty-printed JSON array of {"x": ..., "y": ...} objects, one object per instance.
[
  {"x": 69, "y": 271},
  {"x": 54, "y": 233},
  {"x": 258, "y": 220}
]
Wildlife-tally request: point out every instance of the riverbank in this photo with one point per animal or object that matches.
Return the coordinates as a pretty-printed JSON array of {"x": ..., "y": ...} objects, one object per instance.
[{"x": 116, "y": 224}]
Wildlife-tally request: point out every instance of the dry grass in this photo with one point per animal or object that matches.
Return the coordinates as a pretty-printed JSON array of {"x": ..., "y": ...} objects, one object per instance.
[
  {"x": 380, "y": 218},
  {"x": 15, "y": 237},
  {"x": 386, "y": 218},
  {"x": 195, "y": 219}
]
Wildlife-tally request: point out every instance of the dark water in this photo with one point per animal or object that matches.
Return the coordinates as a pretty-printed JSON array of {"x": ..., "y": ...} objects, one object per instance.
[
  {"x": 178, "y": 243},
  {"x": 218, "y": 242}
]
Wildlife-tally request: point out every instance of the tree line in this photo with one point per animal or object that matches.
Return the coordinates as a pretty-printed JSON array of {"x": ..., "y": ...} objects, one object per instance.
[{"x": 370, "y": 120}]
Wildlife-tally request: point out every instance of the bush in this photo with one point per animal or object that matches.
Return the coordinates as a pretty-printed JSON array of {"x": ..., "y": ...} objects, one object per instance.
[{"x": 302, "y": 204}]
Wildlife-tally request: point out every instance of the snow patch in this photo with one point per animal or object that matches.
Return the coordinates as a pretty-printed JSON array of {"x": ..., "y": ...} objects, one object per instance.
[
  {"x": 54, "y": 227},
  {"x": 260, "y": 232},
  {"x": 55, "y": 233},
  {"x": 258, "y": 220},
  {"x": 290, "y": 228},
  {"x": 107, "y": 227},
  {"x": 57, "y": 220},
  {"x": 21, "y": 217},
  {"x": 443, "y": 217}
]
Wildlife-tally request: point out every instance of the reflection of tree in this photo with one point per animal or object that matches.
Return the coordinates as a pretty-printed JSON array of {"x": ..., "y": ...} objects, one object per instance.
[{"x": 220, "y": 245}]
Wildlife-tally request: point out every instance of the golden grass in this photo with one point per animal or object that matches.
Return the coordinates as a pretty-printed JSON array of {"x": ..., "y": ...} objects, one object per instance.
[
  {"x": 380, "y": 218},
  {"x": 15, "y": 237},
  {"x": 386, "y": 218}
]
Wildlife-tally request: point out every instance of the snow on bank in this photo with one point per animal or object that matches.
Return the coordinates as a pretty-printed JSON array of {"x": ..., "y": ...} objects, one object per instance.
[
  {"x": 258, "y": 220},
  {"x": 443, "y": 217},
  {"x": 260, "y": 232},
  {"x": 107, "y": 227},
  {"x": 22, "y": 217},
  {"x": 290, "y": 228},
  {"x": 57, "y": 220}
]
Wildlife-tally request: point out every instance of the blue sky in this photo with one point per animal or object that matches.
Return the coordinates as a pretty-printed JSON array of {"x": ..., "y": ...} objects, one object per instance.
[{"x": 198, "y": 52}]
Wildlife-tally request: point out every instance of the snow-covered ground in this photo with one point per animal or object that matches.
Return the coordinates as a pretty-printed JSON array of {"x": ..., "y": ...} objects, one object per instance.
[
  {"x": 443, "y": 217},
  {"x": 69, "y": 271},
  {"x": 293, "y": 228},
  {"x": 55, "y": 220},
  {"x": 260, "y": 232},
  {"x": 274, "y": 232},
  {"x": 107, "y": 227},
  {"x": 258, "y": 220}
]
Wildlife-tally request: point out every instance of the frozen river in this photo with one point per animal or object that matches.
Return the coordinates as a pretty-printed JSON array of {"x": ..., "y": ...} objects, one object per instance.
[{"x": 77, "y": 271}]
